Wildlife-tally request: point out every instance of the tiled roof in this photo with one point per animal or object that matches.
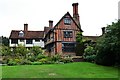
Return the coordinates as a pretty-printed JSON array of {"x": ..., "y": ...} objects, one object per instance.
[
  {"x": 27, "y": 35},
  {"x": 93, "y": 38}
]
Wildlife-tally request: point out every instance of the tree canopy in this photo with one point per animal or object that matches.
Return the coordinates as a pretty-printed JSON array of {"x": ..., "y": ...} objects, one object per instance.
[{"x": 108, "y": 46}]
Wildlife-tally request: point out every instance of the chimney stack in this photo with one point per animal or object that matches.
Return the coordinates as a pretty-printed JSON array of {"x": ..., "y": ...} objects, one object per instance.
[
  {"x": 75, "y": 11},
  {"x": 103, "y": 30},
  {"x": 26, "y": 27},
  {"x": 50, "y": 23}
]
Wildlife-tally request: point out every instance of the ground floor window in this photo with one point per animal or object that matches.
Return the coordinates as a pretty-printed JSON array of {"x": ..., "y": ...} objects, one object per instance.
[
  {"x": 68, "y": 47},
  {"x": 14, "y": 41},
  {"x": 29, "y": 41}
]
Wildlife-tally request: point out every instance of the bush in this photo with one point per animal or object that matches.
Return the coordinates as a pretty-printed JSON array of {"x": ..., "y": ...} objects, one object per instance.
[
  {"x": 11, "y": 62},
  {"x": 31, "y": 57},
  {"x": 25, "y": 62},
  {"x": 66, "y": 60},
  {"x": 21, "y": 51},
  {"x": 56, "y": 58},
  {"x": 40, "y": 56},
  {"x": 36, "y": 50},
  {"x": 90, "y": 58},
  {"x": 89, "y": 54},
  {"x": 43, "y": 60}
]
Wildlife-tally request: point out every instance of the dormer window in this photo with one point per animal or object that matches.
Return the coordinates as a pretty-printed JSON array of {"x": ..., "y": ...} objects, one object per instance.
[
  {"x": 67, "y": 21},
  {"x": 21, "y": 34}
]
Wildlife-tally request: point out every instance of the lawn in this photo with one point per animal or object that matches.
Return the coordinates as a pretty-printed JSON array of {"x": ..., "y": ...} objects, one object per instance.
[{"x": 70, "y": 70}]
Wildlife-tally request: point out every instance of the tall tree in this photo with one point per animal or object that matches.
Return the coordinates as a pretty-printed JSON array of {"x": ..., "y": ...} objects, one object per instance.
[
  {"x": 5, "y": 41},
  {"x": 108, "y": 46}
]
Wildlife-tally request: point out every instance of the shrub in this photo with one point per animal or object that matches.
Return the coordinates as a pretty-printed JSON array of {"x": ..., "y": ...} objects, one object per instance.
[
  {"x": 36, "y": 50},
  {"x": 89, "y": 54},
  {"x": 11, "y": 62},
  {"x": 66, "y": 60},
  {"x": 31, "y": 57},
  {"x": 17, "y": 61},
  {"x": 90, "y": 58},
  {"x": 56, "y": 58},
  {"x": 21, "y": 51},
  {"x": 5, "y": 51},
  {"x": 43, "y": 60},
  {"x": 25, "y": 62},
  {"x": 40, "y": 56}
]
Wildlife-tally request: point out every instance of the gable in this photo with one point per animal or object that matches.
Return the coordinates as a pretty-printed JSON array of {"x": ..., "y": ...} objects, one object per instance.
[{"x": 67, "y": 22}]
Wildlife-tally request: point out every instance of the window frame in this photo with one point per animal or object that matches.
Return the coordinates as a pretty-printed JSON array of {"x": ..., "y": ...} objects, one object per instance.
[
  {"x": 68, "y": 34},
  {"x": 14, "y": 41},
  {"x": 68, "y": 47},
  {"x": 29, "y": 41},
  {"x": 67, "y": 21}
]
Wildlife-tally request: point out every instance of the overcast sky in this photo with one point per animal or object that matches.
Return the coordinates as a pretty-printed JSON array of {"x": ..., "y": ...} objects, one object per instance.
[{"x": 94, "y": 14}]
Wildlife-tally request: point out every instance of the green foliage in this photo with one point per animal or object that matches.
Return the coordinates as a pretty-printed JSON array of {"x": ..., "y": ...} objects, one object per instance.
[
  {"x": 66, "y": 60},
  {"x": 25, "y": 62},
  {"x": 43, "y": 60},
  {"x": 90, "y": 58},
  {"x": 40, "y": 56},
  {"x": 36, "y": 50},
  {"x": 108, "y": 46},
  {"x": 56, "y": 58},
  {"x": 5, "y": 50},
  {"x": 89, "y": 51},
  {"x": 89, "y": 54},
  {"x": 79, "y": 50},
  {"x": 11, "y": 62},
  {"x": 79, "y": 37},
  {"x": 5, "y": 41},
  {"x": 20, "y": 51}
]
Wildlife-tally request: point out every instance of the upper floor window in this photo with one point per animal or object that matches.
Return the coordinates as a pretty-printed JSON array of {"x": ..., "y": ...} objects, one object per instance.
[
  {"x": 67, "y": 21},
  {"x": 14, "y": 41},
  {"x": 68, "y": 34},
  {"x": 29, "y": 41},
  {"x": 21, "y": 34}
]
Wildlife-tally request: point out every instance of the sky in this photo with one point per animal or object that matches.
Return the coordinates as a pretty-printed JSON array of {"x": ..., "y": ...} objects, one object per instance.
[{"x": 94, "y": 14}]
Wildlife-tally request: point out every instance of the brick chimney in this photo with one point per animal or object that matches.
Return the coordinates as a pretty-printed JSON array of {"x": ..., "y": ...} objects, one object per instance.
[
  {"x": 50, "y": 23},
  {"x": 26, "y": 27},
  {"x": 75, "y": 11}
]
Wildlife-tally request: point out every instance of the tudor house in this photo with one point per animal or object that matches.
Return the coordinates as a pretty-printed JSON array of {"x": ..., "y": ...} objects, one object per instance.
[
  {"x": 61, "y": 39},
  {"x": 58, "y": 39},
  {"x": 26, "y": 38}
]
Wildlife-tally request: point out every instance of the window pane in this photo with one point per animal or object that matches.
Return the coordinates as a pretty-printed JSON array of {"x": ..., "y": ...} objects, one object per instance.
[
  {"x": 67, "y": 21},
  {"x": 14, "y": 41},
  {"x": 68, "y": 47},
  {"x": 29, "y": 41},
  {"x": 37, "y": 40},
  {"x": 67, "y": 34}
]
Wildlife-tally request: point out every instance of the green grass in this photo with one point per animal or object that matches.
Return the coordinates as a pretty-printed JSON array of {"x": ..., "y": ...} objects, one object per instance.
[{"x": 70, "y": 70}]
